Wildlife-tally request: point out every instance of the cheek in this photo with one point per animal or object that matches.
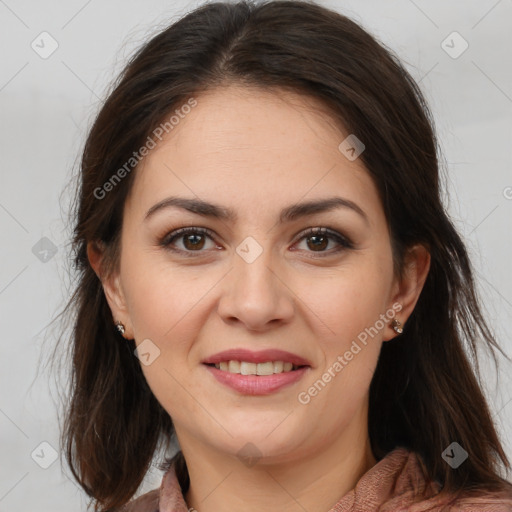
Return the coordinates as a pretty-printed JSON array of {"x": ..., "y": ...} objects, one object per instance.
[
  {"x": 164, "y": 301},
  {"x": 348, "y": 314},
  {"x": 166, "y": 306},
  {"x": 347, "y": 301}
]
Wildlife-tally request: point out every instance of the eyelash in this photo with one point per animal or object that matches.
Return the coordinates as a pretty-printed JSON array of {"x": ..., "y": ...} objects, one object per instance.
[{"x": 168, "y": 239}]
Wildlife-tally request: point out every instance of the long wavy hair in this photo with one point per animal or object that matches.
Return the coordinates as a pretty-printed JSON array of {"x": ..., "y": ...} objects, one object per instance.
[{"x": 426, "y": 390}]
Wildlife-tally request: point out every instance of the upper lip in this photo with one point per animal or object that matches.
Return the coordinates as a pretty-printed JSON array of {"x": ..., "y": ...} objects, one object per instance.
[{"x": 261, "y": 356}]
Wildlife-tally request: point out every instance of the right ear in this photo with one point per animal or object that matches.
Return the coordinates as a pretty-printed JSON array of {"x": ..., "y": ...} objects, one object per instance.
[
  {"x": 111, "y": 285},
  {"x": 95, "y": 256}
]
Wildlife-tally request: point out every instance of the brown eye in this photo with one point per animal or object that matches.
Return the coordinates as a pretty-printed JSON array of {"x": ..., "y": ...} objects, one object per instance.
[
  {"x": 192, "y": 240},
  {"x": 317, "y": 240}
]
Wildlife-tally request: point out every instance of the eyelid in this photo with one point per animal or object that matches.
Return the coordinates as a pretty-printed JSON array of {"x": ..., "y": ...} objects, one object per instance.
[
  {"x": 343, "y": 241},
  {"x": 165, "y": 241},
  {"x": 331, "y": 233}
]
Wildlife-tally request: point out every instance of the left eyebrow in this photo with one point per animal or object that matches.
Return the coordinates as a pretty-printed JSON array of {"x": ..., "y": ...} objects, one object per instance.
[{"x": 287, "y": 214}]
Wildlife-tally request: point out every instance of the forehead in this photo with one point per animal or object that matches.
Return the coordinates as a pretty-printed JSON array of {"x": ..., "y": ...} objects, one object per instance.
[
  {"x": 253, "y": 147},
  {"x": 237, "y": 119}
]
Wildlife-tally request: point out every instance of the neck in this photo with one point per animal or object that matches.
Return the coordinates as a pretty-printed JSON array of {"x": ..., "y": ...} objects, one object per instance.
[{"x": 315, "y": 482}]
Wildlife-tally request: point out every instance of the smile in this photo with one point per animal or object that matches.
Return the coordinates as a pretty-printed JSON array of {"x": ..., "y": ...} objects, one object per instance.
[
  {"x": 248, "y": 368},
  {"x": 253, "y": 383}
]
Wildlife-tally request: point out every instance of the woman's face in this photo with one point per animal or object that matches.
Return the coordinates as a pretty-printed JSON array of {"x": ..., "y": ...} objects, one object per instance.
[{"x": 257, "y": 281}]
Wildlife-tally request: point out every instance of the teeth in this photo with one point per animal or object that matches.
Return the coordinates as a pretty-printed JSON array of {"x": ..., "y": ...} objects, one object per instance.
[
  {"x": 265, "y": 368},
  {"x": 278, "y": 366},
  {"x": 245, "y": 368},
  {"x": 248, "y": 368},
  {"x": 234, "y": 366}
]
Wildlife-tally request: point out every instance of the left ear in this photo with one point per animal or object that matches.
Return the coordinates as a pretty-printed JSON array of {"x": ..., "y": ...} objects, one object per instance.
[{"x": 407, "y": 290}]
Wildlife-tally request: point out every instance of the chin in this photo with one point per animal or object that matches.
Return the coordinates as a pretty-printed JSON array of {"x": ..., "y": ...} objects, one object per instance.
[{"x": 257, "y": 446}]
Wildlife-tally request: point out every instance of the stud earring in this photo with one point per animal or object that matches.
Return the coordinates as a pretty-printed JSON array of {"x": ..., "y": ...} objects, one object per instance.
[
  {"x": 120, "y": 327},
  {"x": 397, "y": 326}
]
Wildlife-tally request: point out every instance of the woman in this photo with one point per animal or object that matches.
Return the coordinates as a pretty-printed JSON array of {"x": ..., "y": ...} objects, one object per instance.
[{"x": 268, "y": 272}]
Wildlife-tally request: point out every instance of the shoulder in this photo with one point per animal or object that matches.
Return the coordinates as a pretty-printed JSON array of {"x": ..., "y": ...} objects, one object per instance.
[
  {"x": 148, "y": 502},
  {"x": 476, "y": 503},
  {"x": 483, "y": 504}
]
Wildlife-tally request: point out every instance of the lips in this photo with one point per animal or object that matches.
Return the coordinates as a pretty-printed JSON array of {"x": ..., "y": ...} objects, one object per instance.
[
  {"x": 257, "y": 384},
  {"x": 256, "y": 357},
  {"x": 265, "y": 382}
]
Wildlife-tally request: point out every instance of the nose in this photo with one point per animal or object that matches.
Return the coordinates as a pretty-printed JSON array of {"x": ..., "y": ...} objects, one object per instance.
[{"x": 256, "y": 294}]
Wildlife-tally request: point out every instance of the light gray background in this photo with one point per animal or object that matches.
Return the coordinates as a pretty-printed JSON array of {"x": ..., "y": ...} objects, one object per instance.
[{"x": 48, "y": 104}]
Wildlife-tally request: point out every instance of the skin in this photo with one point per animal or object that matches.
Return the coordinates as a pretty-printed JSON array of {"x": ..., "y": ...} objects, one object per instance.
[{"x": 257, "y": 152}]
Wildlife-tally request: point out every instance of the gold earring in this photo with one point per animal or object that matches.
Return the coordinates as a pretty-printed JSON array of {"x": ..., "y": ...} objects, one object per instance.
[
  {"x": 397, "y": 326},
  {"x": 120, "y": 327}
]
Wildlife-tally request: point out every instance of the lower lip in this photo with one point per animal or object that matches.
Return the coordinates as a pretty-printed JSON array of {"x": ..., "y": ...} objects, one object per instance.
[{"x": 257, "y": 384}]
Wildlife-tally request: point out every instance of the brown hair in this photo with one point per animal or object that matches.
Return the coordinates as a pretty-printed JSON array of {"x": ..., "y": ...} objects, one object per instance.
[{"x": 424, "y": 394}]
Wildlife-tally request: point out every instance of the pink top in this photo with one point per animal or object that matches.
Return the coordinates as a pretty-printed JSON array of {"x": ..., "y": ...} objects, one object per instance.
[{"x": 394, "y": 484}]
